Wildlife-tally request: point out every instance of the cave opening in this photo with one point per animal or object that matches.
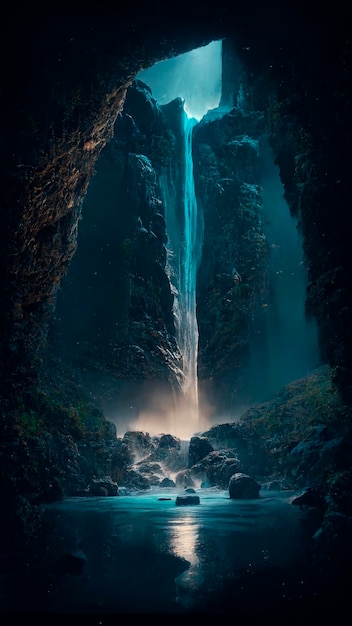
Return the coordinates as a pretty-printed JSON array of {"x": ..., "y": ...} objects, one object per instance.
[
  {"x": 96, "y": 301},
  {"x": 195, "y": 76},
  {"x": 94, "y": 552}
]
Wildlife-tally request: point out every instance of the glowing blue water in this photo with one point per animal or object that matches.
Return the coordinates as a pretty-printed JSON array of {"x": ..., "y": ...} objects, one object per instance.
[
  {"x": 145, "y": 554},
  {"x": 190, "y": 255},
  {"x": 196, "y": 77},
  {"x": 185, "y": 238}
]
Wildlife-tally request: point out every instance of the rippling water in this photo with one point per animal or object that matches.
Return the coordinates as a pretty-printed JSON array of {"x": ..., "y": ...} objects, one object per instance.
[{"x": 144, "y": 554}]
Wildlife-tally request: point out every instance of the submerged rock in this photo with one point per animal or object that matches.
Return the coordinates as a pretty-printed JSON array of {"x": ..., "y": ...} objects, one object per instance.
[
  {"x": 71, "y": 564},
  {"x": 186, "y": 500}
]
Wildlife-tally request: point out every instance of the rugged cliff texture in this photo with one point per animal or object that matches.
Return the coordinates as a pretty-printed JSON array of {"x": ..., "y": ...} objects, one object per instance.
[
  {"x": 305, "y": 87},
  {"x": 64, "y": 86},
  {"x": 64, "y": 90},
  {"x": 233, "y": 280},
  {"x": 114, "y": 317}
]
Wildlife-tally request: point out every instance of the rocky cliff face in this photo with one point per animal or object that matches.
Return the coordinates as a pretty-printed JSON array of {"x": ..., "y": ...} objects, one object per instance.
[
  {"x": 64, "y": 88},
  {"x": 115, "y": 308},
  {"x": 74, "y": 86},
  {"x": 233, "y": 281}
]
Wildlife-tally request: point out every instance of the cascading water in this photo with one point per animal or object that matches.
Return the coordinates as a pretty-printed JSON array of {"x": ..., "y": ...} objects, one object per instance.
[
  {"x": 185, "y": 237},
  {"x": 189, "y": 258},
  {"x": 196, "y": 78}
]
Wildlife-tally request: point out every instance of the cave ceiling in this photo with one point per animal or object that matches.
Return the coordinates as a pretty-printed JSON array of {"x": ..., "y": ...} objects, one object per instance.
[{"x": 65, "y": 74}]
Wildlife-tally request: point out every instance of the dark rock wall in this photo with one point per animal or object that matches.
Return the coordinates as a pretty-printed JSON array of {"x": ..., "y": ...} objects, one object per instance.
[
  {"x": 115, "y": 307},
  {"x": 64, "y": 87},
  {"x": 114, "y": 311},
  {"x": 304, "y": 88},
  {"x": 233, "y": 277},
  {"x": 64, "y": 83}
]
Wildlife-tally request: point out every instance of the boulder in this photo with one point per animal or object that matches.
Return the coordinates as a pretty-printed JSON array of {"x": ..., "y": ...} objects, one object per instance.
[
  {"x": 224, "y": 436},
  {"x": 310, "y": 498},
  {"x": 151, "y": 471},
  {"x": 242, "y": 486},
  {"x": 103, "y": 487},
  {"x": 184, "y": 479},
  {"x": 167, "y": 482},
  {"x": 135, "y": 481},
  {"x": 140, "y": 443},
  {"x": 169, "y": 441},
  {"x": 199, "y": 447},
  {"x": 186, "y": 500},
  {"x": 216, "y": 469}
]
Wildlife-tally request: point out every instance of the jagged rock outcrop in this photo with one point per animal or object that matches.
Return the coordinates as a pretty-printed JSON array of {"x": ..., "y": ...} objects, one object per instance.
[
  {"x": 242, "y": 486},
  {"x": 216, "y": 468},
  {"x": 70, "y": 116},
  {"x": 233, "y": 281},
  {"x": 199, "y": 447},
  {"x": 121, "y": 258},
  {"x": 64, "y": 84}
]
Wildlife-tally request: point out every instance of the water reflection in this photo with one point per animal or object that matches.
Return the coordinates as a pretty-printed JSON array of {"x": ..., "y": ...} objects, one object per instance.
[
  {"x": 143, "y": 554},
  {"x": 184, "y": 542},
  {"x": 183, "y": 539}
]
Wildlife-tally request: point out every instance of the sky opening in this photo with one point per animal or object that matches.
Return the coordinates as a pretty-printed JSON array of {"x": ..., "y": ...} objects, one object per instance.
[{"x": 195, "y": 76}]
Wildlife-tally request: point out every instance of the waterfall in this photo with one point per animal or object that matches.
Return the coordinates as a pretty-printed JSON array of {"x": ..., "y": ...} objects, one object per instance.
[
  {"x": 187, "y": 327},
  {"x": 196, "y": 78},
  {"x": 185, "y": 234}
]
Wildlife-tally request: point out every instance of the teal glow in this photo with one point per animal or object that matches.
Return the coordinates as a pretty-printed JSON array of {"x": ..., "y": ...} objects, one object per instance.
[
  {"x": 190, "y": 255},
  {"x": 195, "y": 76}
]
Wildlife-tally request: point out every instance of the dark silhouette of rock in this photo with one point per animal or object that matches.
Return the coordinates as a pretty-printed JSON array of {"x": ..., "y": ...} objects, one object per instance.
[
  {"x": 169, "y": 441},
  {"x": 186, "y": 500},
  {"x": 216, "y": 469},
  {"x": 184, "y": 479},
  {"x": 242, "y": 486},
  {"x": 199, "y": 447},
  {"x": 103, "y": 487},
  {"x": 310, "y": 497},
  {"x": 167, "y": 482},
  {"x": 71, "y": 564}
]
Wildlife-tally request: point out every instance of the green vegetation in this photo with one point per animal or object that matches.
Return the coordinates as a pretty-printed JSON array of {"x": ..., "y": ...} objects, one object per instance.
[
  {"x": 302, "y": 404},
  {"x": 29, "y": 422}
]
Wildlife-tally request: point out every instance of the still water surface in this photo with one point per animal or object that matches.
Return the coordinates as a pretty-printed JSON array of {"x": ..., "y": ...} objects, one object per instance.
[{"x": 144, "y": 554}]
